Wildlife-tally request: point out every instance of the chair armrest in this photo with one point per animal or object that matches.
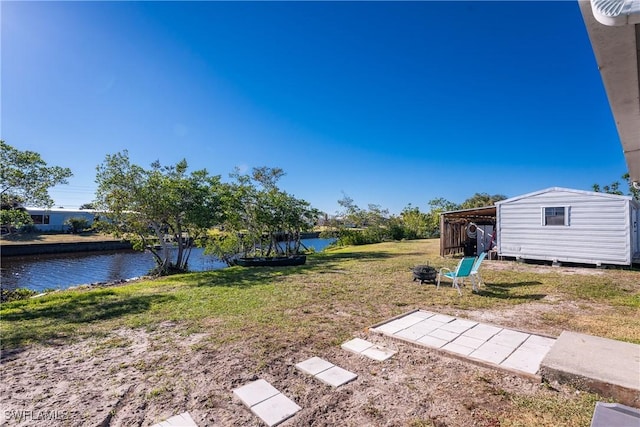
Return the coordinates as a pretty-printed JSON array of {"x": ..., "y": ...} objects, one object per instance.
[{"x": 443, "y": 269}]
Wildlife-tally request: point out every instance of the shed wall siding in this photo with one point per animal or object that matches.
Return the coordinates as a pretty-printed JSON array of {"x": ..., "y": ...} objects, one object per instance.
[{"x": 598, "y": 230}]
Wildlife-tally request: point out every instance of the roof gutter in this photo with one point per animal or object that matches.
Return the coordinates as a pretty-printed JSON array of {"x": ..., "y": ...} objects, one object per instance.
[
  {"x": 614, "y": 31},
  {"x": 615, "y": 13}
]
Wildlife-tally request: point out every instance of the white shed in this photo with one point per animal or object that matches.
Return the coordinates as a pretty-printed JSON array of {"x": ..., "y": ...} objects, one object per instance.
[{"x": 565, "y": 225}]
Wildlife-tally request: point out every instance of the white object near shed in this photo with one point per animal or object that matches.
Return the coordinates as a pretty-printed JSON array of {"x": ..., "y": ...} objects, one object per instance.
[{"x": 565, "y": 225}]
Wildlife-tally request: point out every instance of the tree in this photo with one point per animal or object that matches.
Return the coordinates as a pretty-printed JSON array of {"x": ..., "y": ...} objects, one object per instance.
[
  {"x": 25, "y": 178},
  {"x": 259, "y": 216},
  {"x": 87, "y": 206},
  {"x": 480, "y": 200},
  {"x": 614, "y": 188},
  {"x": 356, "y": 226},
  {"x": 158, "y": 208},
  {"x": 437, "y": 206},
  {"x": 416, "y": 223}
]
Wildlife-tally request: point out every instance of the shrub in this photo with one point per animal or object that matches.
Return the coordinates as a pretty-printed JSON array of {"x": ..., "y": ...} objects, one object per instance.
[
  {"x": 76, "y": 225},
  {"x": 29, "y": 228}
]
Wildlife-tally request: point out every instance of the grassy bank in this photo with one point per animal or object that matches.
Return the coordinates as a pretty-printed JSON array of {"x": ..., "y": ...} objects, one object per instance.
[
  {"x": 52, "y": 238},
  {"x": 367, "y": 284},
  {"x": 338, "y": 293}
]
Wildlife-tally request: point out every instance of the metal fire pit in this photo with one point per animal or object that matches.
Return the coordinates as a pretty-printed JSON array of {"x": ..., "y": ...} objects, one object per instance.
[{"x": 424, "y": 273}]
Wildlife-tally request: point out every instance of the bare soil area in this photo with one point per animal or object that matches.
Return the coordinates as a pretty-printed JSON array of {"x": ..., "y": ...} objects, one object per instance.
[{"x": 138, "y": 378}]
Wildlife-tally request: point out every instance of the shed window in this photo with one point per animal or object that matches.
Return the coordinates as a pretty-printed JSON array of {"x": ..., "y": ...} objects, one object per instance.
[
  {"x": 555, "y": 216},
  {"x": 40, "y": 219}
]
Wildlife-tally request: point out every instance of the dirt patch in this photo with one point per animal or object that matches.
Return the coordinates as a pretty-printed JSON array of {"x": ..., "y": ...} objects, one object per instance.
[
  {"x": 137, "y": 377},
  {"x": 541, "y": 268}
]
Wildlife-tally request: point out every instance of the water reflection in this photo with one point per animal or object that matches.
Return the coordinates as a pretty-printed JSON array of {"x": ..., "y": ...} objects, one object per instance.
[{"x": 42, "y": 272}]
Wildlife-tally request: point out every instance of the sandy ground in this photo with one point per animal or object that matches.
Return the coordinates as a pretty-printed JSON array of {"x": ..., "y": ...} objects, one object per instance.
[{"x": 138, "y": 378}]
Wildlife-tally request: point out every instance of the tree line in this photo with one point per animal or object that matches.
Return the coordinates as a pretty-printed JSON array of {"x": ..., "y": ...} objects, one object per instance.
[
  {"x": 374, "y": 224},
  {"x": 169, "y": 211}
]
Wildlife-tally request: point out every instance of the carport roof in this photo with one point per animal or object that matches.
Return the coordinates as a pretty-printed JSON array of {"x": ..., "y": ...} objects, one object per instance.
[{"x": 484, "y": 212}]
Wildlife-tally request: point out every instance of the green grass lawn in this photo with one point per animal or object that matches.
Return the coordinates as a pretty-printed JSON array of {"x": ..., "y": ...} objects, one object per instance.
[
  {"x": 367, "y": 284},
  {"x": 319, "y": 306}
]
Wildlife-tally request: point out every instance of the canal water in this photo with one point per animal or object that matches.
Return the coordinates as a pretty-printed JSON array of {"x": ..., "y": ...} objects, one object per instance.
[{"x": 40, "y": 272}]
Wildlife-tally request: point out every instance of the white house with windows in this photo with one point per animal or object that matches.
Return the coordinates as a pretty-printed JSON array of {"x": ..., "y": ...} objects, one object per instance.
[
  {"x": 54, "y": 219},
  {"x": 565, "y": 225}
]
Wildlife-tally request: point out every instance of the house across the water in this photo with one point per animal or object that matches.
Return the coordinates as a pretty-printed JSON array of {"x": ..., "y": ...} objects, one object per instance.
[{"x": 54, "y": 219}]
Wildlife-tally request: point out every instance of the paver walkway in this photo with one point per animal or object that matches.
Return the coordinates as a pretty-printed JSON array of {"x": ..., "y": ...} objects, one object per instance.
[{"x": 485, "y": 343}]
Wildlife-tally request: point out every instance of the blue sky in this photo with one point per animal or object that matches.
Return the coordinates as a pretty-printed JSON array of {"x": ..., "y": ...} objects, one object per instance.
[{"x": 388, "y": 103}]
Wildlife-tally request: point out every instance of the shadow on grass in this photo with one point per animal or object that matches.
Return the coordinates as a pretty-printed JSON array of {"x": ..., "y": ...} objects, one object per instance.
[
  {"x": 505, "y": 291},
  {"x": 244, "y": 277},
  {"x": 325, "y": 257},
  {"x": 513, "y": 284},
  {"x": 87, "y": 307},
  {"x": 57, "y": 318}
]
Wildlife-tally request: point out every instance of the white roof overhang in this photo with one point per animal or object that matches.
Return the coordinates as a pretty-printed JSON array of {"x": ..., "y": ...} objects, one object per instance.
[{"x": 614, "y": 31}]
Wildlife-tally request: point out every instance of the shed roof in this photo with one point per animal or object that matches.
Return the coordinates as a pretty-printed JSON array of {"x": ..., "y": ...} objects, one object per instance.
[{"x": 564, "y": 190}]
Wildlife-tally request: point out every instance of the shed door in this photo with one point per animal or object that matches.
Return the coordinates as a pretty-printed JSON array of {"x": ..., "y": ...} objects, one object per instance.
[{"x": 484, "y": 238}]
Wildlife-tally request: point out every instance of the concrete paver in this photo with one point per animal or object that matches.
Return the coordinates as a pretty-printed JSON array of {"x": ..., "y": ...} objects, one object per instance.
[
  {"x": 509, "y": 338},
  {"x": 356, "y": 345},
  {"x": 457, "y": 348},
  {"x": 458, "y": 326},
  {"x": 255, "y": 392},
  {"x": 266, "y": 402},
  {"x": 378, "y": 353},
  {"x": 444, "y": 334},
  {"x": 402, "y": 323},
  {"x": 424, "y": 314},
  {"x": 537, "y": 340},
  {"x": 442, "y": 318},
  {"x": 523, "y": 359},
  {"x": 492, "y": 353},
  {"x": 415, "y": 332},
  {"x": 314, "y": 366},
  {"x": 368, "y": 349},
  {"x": 481, "y": 331},
  {"x": 326, "y": 372},
  {"x": 276, "y": 409},
  {"x": 180, "y": 420},
  {"x": 434, "y": 342},
  {"x": 471, "y": 342},
  {"x": 336, "y": 376}
]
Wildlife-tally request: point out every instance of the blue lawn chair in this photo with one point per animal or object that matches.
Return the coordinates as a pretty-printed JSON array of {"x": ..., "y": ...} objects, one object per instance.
[{"x": 457, "y": 276}]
